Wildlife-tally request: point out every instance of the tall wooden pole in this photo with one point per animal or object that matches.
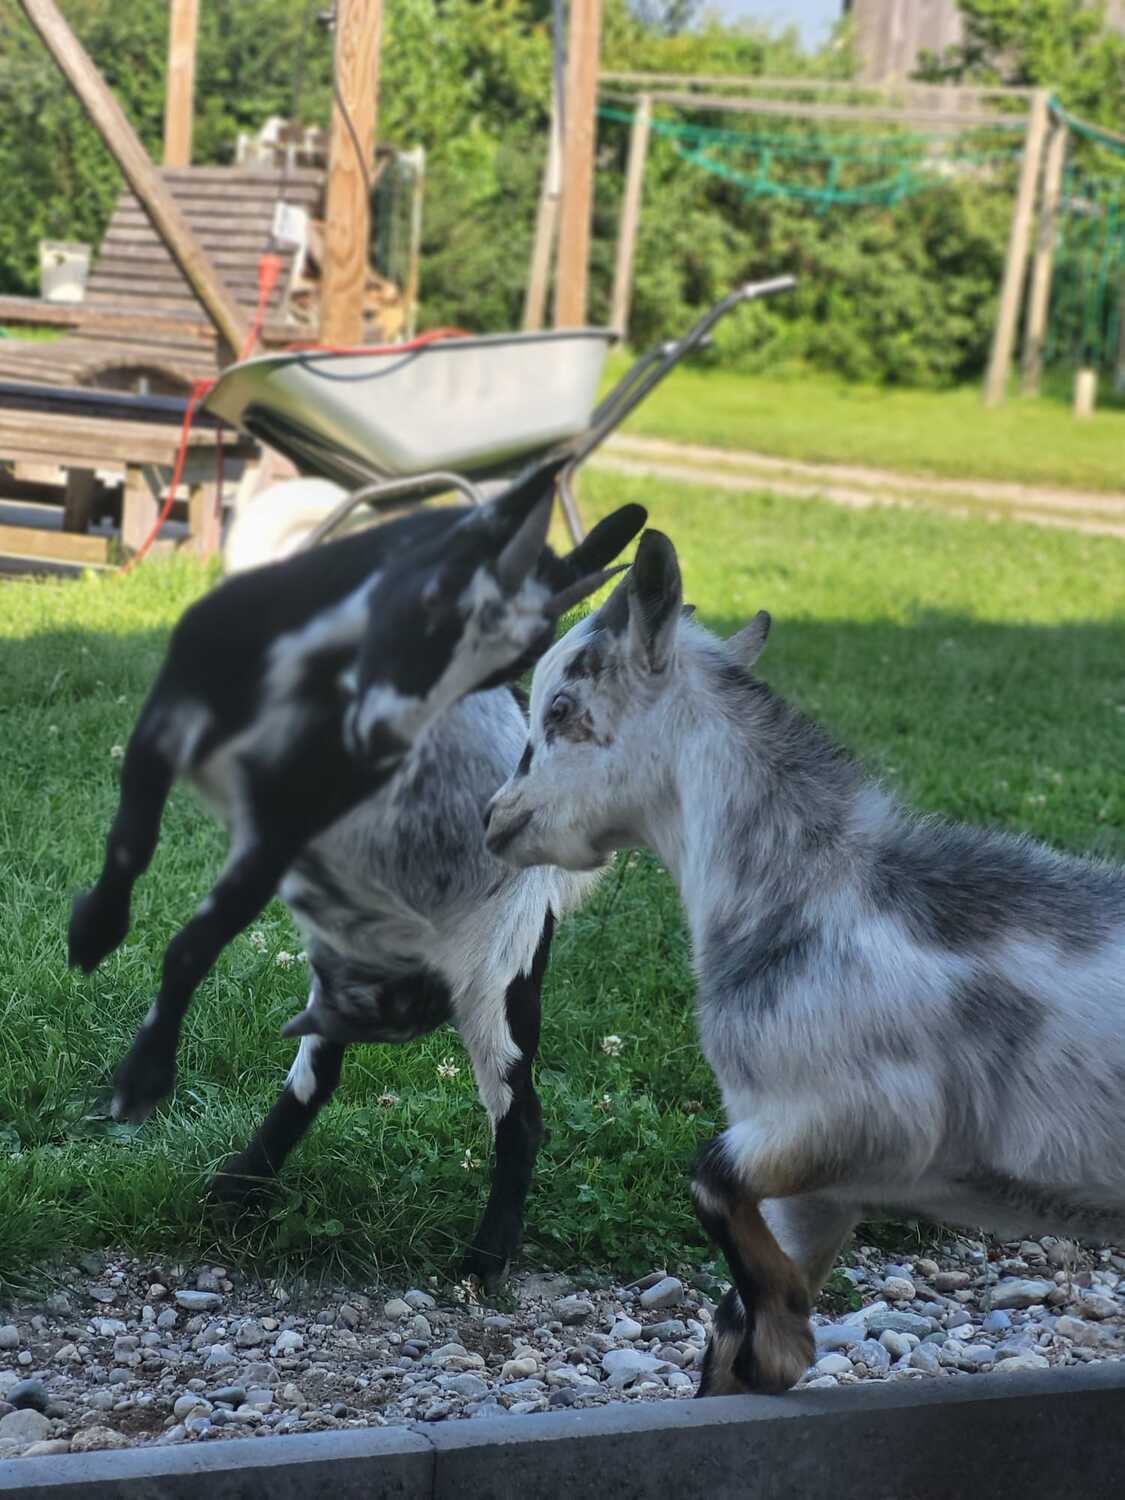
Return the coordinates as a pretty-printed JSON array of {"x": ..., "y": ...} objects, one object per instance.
[
  {"x": 107, "y": 116},
  {"x": 347, "y": 226},
  {"x": 179, "y": 92},
  {"x": 1011, "y": 289},
  {"x": 579, "y": 110},
  {"x": 630, "y": 215},
  {"x": 1043, "y": 262},
  {"x": 546, "y": 224}
]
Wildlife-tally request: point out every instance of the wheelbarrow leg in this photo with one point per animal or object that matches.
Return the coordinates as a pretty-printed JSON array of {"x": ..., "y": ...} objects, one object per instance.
[{"x": 569, "y": 504}]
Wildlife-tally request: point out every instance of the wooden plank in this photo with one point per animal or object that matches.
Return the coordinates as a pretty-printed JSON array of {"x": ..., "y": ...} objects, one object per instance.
[
  {"x": 78, "y": 499},
  {"x": 93, "y": 440},
  {"x": 359, "y": 26},
  {"x": 179, "y": 99},
  {"x": 1042, "y": 265},
  {"x": 1015, "y": 263},
  {"x": 576, "y": 206},
  {"x": 936, "y": 118},
  {"x": 546, "y": 225},
  {"x": 140, "y": 507},
  {"x": 755, "y": 83},
  {"x": 109, "y": 119},
  {"x": 205, "y": 519},
  {"x": 61, "y": 546},
  {"x": 630, "y": 216}
]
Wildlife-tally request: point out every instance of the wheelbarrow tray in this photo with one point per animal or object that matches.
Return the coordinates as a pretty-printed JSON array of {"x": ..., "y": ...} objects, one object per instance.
[{"x": 469, "y": 404}]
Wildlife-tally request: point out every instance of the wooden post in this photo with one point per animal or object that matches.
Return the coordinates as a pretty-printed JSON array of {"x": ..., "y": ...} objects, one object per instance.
[
  {"x": 179, "y": 90},
  {"x": 347, "y": 217},
  {"x": 417, "y": 158},
  {"x": 630, "y": 215},
  {"x": 78, "y": 499},
  {"x": 578, "y": 162},
  {"x": 140, "y": 506},
  {"x": 131, "y": 156},
  {"x": 546, "y": 223},
  {"x": 1043, "y": 261},
  {"x": 1085, "y": 392},
  {"x": 1015, "y": 265}
]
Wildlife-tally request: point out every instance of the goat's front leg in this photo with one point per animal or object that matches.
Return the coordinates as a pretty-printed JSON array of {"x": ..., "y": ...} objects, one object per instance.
[
  {"x": 762, "y": 1338},
  {"x": 100, "y": 919},
  {"x": 147, "y": 1074},
  {"x": 811, "y": 1230},
  {"x": 508, "y": 1092}
]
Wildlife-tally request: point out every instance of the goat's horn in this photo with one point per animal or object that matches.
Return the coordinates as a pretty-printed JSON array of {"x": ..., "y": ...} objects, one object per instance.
[
  {"x": 521, "y": 554},
  {"x": 582, "y": 589},
  {"x": 304, "y": 1023}
]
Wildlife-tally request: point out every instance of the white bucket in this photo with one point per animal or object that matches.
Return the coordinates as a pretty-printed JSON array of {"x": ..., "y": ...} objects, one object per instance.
[{"x": 63, "y": 268}]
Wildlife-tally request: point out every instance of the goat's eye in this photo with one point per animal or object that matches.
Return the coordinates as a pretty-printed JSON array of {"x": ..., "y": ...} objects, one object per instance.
[{"x": 559, "y": 708}]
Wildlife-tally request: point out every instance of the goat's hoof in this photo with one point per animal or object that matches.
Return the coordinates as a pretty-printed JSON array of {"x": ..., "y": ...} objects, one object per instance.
[
  {"x": 765, "y": 1359},
  {"x": 486, "y": 1267},
  {"x": 235, "y": 1189},
  {"x": 139, "y": 1085},
  {"x": 98, "y": 925}
]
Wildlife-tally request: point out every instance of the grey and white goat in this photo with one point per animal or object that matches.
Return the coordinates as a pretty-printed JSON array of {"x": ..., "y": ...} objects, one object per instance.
[
  {"x": 318, "y": 704},
  {"x": 904, "y": 1014}
]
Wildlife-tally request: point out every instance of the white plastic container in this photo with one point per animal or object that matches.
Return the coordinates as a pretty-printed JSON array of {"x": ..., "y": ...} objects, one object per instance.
[{"x": 63, "y": 268}]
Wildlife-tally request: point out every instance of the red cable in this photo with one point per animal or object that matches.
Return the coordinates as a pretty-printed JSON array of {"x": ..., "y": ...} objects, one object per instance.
[{"x": 269, "y": 269}]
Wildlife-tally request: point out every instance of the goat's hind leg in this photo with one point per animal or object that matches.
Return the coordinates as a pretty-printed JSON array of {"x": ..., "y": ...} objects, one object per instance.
[
  {"x": 147, "y": 1073},
  {"x": 313, "y": 1079},
  {"x": 99, "y": 920},
  {"x": 762, "y": 1338}
]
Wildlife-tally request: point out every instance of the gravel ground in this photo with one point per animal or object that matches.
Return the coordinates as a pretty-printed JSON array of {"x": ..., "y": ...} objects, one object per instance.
[{"x": 136, "y": 1353}]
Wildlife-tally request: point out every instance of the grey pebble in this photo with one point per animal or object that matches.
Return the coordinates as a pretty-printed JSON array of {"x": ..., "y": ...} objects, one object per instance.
[
  {"x": 667, "y": 1292},
  {"x": 28, "y": 1395},
  {"x": 199, "y": 1301}
]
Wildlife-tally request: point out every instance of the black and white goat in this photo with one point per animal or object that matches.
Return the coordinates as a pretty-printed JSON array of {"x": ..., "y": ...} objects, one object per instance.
[
  {"x": 318, "y": 704},
  {"x": 904, "y": 1014}
]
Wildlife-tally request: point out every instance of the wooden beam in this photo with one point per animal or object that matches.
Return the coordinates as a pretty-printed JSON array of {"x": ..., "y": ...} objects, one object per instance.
[
  {"x": 755, "y": 83},
  {"x": 937, "y": 119},
  {"x": 579, "y": 122},
  {"x": 630, "y": 216},
  {"x": 131, "y": 156},
  {"x": 546, "y": 226},
  {"x": 179, "y": 90},
  {"x": 1043, "y": 262},
  {"x": 59, "y": 546},
  {"x": 417, "y": 157},
  {"x": 347, "y": 230},
  {"x": 1015, "y": 264}
]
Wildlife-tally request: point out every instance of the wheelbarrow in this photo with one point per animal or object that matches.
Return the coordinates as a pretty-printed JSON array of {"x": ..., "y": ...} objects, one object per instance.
[{"x": 394, "y": 427}]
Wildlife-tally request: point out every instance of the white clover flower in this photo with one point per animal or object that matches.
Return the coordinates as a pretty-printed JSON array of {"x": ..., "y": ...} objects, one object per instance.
[
  {"x": 604, "y": 1103},
  {"x": 258, "y": 940},
  {"x": 470, "y": 1163},
  {"x": 117, "y": 752},
  {"x": 285, "y": 960},
  {"x": 612, "y": 1045},
  {"x": 447, "y": 1068},
  {"x": 52, "y": 729},
  {"x": 388, "y": 1100}
]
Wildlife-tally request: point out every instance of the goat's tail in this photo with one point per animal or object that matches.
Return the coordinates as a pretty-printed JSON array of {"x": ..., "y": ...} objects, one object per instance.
[{"x": 99, "y": 920}]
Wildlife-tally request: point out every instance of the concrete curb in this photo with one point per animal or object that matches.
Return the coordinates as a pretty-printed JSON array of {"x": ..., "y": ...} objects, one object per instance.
[{"x": 1055, "y": 1434}]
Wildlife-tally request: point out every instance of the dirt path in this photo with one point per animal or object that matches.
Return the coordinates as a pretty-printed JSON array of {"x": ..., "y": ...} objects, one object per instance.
[{"x": 1098, "y": 513}]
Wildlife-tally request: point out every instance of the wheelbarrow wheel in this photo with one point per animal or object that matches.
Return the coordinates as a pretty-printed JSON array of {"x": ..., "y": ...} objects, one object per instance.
[{"x": 275, "y": 522}]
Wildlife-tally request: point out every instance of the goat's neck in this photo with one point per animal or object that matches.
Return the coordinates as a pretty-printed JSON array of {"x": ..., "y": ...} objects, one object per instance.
[{"x": 757, "y": 802}]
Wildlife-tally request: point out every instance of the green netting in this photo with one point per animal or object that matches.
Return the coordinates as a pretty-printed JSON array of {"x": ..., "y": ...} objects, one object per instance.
[
  {"x": 824, "y": 171},
  {"x": 1088, "y": 283}
]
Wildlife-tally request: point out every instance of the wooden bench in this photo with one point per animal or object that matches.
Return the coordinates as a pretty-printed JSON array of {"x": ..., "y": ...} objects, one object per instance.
[
  {"x": 96, "y": 435},
  {"x": 140, "y": 327}
]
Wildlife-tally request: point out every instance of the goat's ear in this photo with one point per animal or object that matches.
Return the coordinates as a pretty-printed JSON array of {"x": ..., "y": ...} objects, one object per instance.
[
  {"x": 748, "y": 643},
  {"x": 655, "y": 599},
  {"x": 601, "y": 545}
]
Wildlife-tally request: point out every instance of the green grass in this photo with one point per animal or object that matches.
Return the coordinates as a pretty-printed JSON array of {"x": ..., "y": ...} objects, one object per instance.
[
  {"x": 947, "y": 434},
  {"x": 979, "y": 667}
]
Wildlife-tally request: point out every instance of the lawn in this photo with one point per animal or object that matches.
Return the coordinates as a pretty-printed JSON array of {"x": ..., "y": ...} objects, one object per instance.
[
  {"x": 947, "y": 434},
  {"x": 979, "y": 667}
]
